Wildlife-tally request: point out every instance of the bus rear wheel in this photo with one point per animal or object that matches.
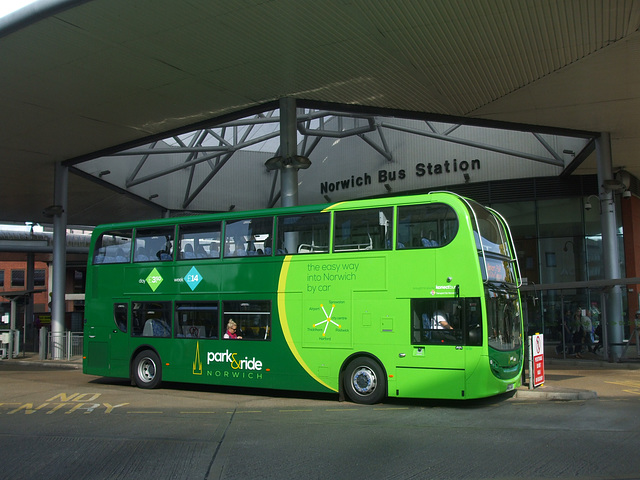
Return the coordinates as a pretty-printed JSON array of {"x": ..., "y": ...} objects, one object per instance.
[
  {"x": 364, "y": 381},
  {"x": 147, "y": 370}
]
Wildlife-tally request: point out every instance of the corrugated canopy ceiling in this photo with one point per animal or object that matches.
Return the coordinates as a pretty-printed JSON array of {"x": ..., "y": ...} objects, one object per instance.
[{"x": 80, "y": 78}]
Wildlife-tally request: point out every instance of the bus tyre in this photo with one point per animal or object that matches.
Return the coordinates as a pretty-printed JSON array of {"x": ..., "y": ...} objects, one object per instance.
[
  {"x": 147, "y": 370},
  {"x": 364, "y": 381}
]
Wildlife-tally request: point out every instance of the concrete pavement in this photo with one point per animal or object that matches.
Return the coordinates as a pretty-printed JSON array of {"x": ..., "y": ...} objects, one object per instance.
[
  {"x": 590, "y": 376},
  {"x": 566, "y": 378}
]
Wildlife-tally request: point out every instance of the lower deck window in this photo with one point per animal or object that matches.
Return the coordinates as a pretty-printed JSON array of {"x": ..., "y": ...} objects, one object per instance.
[
  {"x": 196, "y": 319},
  {"x": 448, "y": 321},
  {"x": 151, "y": 319},
  {"x": 252, "y": 319},
  {"x": 120, "y": 312}
]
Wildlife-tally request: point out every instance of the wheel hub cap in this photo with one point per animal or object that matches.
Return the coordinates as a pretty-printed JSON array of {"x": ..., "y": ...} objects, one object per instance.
[{"x": 364, "y": 381}]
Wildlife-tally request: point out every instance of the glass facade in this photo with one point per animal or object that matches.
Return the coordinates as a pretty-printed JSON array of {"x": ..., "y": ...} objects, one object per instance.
[{"x": 559, "y": 241}]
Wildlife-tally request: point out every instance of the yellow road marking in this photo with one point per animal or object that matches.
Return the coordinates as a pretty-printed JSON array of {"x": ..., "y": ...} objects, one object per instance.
[
  {"x": 635, "y": 392},
  {"x": 626, "y": 384}
]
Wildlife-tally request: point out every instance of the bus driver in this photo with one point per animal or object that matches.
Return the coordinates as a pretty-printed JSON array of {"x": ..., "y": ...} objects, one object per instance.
[{"x": 440, "y": 322}]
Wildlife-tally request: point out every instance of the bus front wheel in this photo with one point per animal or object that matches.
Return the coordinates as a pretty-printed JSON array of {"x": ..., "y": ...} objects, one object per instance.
[
  {"x": 364, "y": 381},
  {"x": 147, "y": 370}
]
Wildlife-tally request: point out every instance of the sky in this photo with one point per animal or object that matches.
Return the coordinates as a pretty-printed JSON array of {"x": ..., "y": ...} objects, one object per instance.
[{"x": 8, "y": 6}]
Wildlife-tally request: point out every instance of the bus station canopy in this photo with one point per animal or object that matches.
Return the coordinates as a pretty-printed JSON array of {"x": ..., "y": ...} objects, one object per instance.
[{"x": 81, "y": 80}]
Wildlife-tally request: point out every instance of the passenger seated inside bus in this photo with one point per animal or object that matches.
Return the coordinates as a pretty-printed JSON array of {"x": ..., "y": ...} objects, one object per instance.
[
  {"x": 238, "y": 250},
  {"x": 165, "y": 252},
  {"x": 429, "y": 240},
  {"x": 156, "y": 328},
  {"x": 120, "y": 256},
  {"x": 188, "y": 251},
  {"x": 231, "y": 332},
  {"x": 141, "y": 255}
]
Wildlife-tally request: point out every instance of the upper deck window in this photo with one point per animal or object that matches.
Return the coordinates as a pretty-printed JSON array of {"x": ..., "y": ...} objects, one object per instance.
[
  {"x": 489, "y": 234},
  {"x": 248, "y": 237},
  {"x": 426, "y": 226},
  {"x": 113, "y": 247},
  {"x": 308, "y": 233},
  {"x": 154, "y": 244},
  {"x": 199, "y": 241},
  {"x": 492, "y": 244},
  {"x": 357, "y": 230}
]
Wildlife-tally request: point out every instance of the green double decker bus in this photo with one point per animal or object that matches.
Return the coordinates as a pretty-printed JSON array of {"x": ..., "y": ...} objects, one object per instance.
[{"x": 412, "y": 296}]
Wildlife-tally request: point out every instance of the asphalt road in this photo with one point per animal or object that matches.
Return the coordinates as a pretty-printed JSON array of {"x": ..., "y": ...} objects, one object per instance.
[{"x": 61, "y": 424}]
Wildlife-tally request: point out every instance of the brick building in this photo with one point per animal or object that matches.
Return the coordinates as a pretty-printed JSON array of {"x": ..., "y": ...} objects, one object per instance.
[{"x": 33, "y": 304}]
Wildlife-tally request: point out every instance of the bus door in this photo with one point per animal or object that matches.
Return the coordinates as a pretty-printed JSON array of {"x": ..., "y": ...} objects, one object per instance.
[
  {"x": 434, "y": 365},
  {"x": 119, "y": 336},
  {"x": 96, "y": 347},
  {"x": 108, "y": 340}
]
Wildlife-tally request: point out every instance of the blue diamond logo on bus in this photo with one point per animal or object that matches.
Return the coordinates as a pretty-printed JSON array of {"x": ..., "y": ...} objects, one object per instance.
[{"x": 193, "y": 278}]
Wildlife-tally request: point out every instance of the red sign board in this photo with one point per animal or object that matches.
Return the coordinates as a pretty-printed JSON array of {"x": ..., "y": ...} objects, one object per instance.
[{"x": 537, "y": 355}]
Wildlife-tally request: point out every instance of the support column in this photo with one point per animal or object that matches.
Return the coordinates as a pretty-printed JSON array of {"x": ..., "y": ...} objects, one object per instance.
[
  {"x": 615, "y": 322},
  {"x": 288, "y": 150},
  {"x": 289, "y": 162},
  {"x": 59, "y": 210},
  {"x": 12, "y": 325},
  {"x": 28, "y": 299}
]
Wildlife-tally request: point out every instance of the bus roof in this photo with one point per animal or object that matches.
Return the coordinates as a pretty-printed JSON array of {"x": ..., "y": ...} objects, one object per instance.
[{"x": 349, "y": 204}]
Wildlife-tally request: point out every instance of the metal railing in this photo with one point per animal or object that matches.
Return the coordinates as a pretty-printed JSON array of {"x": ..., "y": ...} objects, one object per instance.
[{"x": 64, "y": 346}]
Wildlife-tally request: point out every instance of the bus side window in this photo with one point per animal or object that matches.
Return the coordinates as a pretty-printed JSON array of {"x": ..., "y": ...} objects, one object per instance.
[
  {"x": 473, "y": 320},
  {"x": 153, "y": 244},
  {"x": 426, "y": 226},
  {"x": 120, "y": 311},
  {"x": 437, "y": 321},
  {"x": 199, "y": 241},
  {"x": 113, "y": 247},
  {"x": 307, "y": 233},
  {"x": 358, "y": 230},
  {"x": 151, "y": 319},
  {"x": 252, "y": 317},
  {"x": 196, "y": 320},
  {"x": 248, "y": 237}
]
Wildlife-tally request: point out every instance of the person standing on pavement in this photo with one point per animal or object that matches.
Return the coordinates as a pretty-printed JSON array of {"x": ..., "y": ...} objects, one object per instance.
[
  {"x": 577, "y": 332},
  {"x": 587, "y": 329},
  {"x": 598, "y": 333}
]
